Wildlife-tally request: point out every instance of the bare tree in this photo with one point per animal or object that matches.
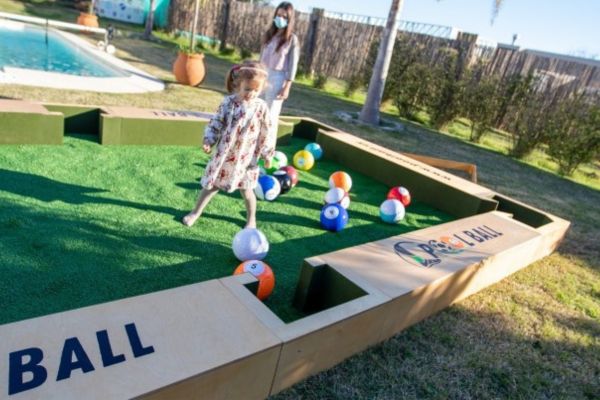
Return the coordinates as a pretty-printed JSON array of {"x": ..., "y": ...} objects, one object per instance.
[{"x": 370, "y": 110}]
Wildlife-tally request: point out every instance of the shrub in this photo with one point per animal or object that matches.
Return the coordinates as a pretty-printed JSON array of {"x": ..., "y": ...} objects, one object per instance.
[
  {"x": 575, "y": 137},
  {"x": 354, "y": 83},
  {"x": 227, "y": 51},
  {"x": 531, "y": 115},
  {"x": 406, "y": 52},
  {"x": 532, "y": 122},
  {"x": 320, "y": 81},
  {"x": 480, "y": 103},
  {"x": 512, "y": 90},
  {"x": 185, "y": 48},
  {"x": 245, "y": 53},
  {"x": 414, "y": 88},
  {"x": 447, "y": 89}
]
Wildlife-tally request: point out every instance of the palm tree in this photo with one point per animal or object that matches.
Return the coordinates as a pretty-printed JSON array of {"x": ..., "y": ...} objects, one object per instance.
[
  {"x": 193, "y": 37},
  {"x": 149, "y": 21},
  {"x": 370, "y": 110}
]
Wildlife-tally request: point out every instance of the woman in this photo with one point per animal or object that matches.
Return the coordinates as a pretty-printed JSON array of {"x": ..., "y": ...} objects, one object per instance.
[{"x": 280, "y": 53}]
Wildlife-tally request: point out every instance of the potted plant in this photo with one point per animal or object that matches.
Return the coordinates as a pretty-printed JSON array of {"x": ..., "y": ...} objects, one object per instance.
[
  {"x": 88, "y": 18},
  {"x": 189, "y": 67}
]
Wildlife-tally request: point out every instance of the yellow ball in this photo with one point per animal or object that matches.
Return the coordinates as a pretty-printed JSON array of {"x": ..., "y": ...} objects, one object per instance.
[{"x": 304, "y": 160}]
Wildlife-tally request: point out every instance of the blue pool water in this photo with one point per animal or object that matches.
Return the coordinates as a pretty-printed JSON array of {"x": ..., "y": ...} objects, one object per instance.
[{"x": 31, "y": 47}]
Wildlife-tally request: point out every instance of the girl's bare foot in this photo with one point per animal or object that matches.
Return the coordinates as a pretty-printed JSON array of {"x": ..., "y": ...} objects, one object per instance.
[
  {"x": 250, "y": 225},
  {"x": 190, "y": 219}
]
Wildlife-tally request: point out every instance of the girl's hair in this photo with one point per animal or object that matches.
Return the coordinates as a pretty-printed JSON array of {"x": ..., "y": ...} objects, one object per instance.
[
  {"x": 287, "y": 31},
  {"x": 246, "y": 71}
]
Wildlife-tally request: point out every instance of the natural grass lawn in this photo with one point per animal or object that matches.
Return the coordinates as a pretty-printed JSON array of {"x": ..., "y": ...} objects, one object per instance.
[
  {"x": 536, "y": 334},
  {"x": 84, "y": 224}
]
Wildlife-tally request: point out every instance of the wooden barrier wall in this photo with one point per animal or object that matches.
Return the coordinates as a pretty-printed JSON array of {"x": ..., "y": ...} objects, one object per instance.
[{"x": 216, "y": 340}]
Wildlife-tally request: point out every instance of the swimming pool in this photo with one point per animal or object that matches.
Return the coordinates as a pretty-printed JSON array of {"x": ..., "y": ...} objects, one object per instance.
[
  {"x": 39, "y": 56},
  {"x": 33, "y": 47}
]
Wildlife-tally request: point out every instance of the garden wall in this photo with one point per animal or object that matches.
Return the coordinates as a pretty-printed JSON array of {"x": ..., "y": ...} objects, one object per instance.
[{"x": 328, "y": 44}]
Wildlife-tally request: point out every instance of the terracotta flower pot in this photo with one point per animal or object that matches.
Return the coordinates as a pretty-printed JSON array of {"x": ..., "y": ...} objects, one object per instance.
[
  {"x": 86, "y": 19},
  {"x": 189, "y": 69}
]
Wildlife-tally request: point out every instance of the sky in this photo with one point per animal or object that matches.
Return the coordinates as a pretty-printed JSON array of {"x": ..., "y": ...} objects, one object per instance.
[{"x": 561, "y": 26}]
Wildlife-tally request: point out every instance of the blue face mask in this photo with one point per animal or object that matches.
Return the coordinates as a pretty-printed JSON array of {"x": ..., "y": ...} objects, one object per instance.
[{"x": 280, "y": 22}]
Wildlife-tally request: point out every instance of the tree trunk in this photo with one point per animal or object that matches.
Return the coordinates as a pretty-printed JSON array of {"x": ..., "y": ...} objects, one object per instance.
[
  {"x": 370, "y": 110},
  {"x": 226, "y": 17},
  {"x": 149, "y": 21},
  {"x": 193, "y": 33}
]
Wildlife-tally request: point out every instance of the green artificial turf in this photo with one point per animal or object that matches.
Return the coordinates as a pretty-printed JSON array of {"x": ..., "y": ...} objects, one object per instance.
[{"x": 83, "y": 224}]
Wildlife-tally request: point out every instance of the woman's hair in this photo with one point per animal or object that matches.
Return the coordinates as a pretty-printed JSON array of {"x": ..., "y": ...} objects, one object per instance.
[
  {"x": 287, "y": 31},
  {"x": 246, "y": 71}
]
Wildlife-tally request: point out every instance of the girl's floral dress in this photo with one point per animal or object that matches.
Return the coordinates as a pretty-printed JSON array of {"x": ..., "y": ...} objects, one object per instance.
[{"x": 241, "y": 131}]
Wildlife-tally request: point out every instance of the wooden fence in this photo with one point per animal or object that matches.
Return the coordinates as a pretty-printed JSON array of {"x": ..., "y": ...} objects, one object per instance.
[{"x": 340, "y": 48}]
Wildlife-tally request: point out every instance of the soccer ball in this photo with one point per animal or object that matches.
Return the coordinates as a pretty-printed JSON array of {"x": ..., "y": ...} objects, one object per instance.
[
  {"x": 250, "y": 244},
  {"x": 337, "y": 196},
  {"x": 293, "y": 174},
  {"x": 391, "y": 211},
  {"x": 285, "y": 182},
  {"x": 400, "y": 193},
  {"x": 262, "y": 272},
  {"x": 267, "y": 171},
  {"x": 315, "y": 149},
  {"x": 334, "y": 217},
  {"x": 281, "y": 158},
  {"x": 267, "y": 188},
  {"x": 304, "y": 160},
  {"x": 340, "y": 179}
]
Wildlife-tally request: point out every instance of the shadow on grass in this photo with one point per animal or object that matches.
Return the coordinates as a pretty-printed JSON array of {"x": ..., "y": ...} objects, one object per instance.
[
  {"x": 48, "y": 190},
  {"x": 56, "y": 262},
  {"x": 459, "y": 354}
]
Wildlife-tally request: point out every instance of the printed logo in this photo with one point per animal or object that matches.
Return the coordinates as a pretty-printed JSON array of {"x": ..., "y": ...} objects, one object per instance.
[{"x": 426, "y": 254}]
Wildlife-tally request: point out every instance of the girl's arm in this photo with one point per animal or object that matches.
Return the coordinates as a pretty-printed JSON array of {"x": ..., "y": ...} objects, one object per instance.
[
  {"x": 213, "y": 130},
  {"x": 266, "y": 138}
]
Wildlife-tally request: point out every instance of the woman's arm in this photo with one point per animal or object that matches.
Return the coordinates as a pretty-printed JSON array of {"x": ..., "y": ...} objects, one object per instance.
[
  {"x": 291, "y": 68},
  {"x": 292, "y": 58}
]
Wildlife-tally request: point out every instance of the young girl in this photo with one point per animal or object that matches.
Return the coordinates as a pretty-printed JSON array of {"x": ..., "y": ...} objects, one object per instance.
[
  {"x": 242, "y": 134},
  {"x": 280, "y": 53}
]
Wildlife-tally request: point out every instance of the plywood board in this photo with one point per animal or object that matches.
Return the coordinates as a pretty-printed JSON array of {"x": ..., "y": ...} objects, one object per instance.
[
  {"x": 402, "y": 263},
  {"x": 21, "y": 106},
  {"x": 321, "y": 340},
  {"x": 148, "y": 113},
  {"x": 22, "y": 122},
  {"x": 401, "y": 290},
  {"x": 427, "y": 171},
  {"x": 470, "y": 169},
  {"x": 159, "y": 340}
]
